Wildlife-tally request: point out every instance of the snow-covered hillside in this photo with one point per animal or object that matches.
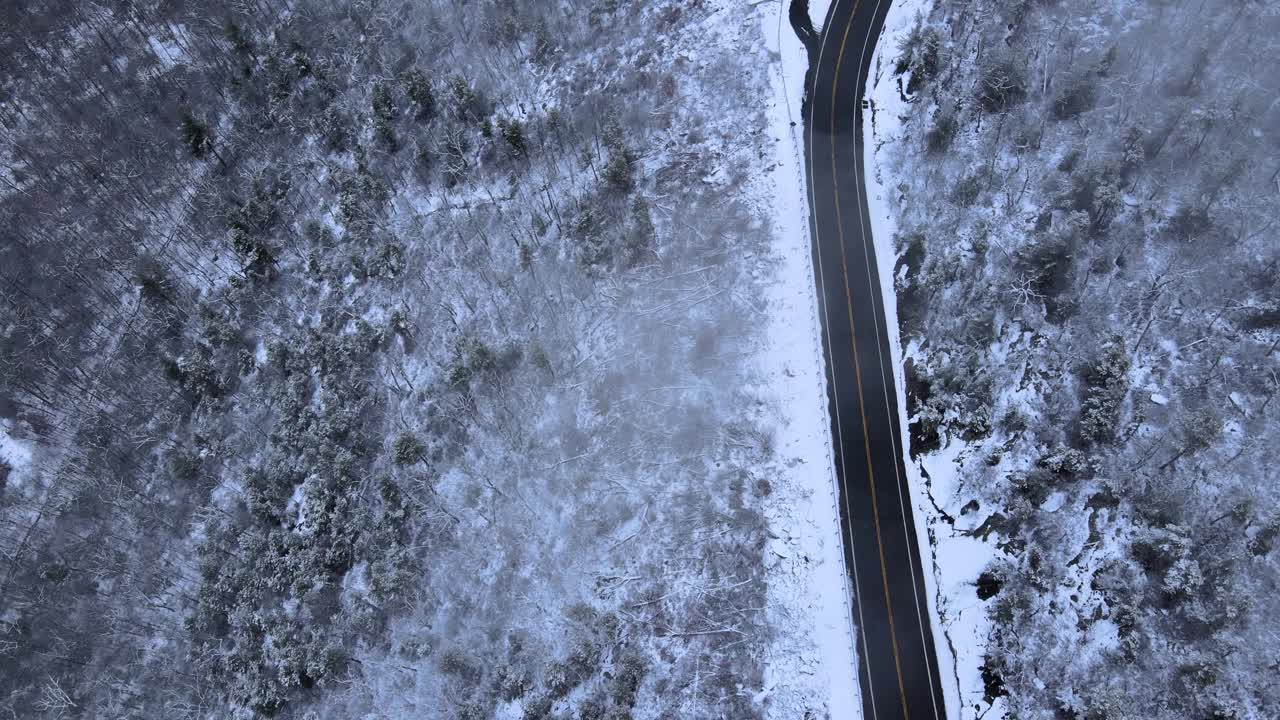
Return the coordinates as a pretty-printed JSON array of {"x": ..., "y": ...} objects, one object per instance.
[
  {"x": 1086, "y": 286},
  {"x": 410, "y": 360}
]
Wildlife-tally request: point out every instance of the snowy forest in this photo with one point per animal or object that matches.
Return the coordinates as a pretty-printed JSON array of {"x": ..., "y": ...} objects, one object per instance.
[
  {"x": 1095, "y": 185},
  {"x": 379, "y": 359}
]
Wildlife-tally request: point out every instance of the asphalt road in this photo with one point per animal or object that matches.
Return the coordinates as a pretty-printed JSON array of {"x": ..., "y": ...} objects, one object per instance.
[{"x": 898, "y": 670}]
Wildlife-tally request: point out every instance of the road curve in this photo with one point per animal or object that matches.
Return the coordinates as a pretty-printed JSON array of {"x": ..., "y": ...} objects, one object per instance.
[{"x": 898, "y": 668}]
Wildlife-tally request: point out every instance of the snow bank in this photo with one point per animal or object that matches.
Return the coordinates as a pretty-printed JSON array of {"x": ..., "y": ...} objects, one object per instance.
[{"x": 817, "y": 12}]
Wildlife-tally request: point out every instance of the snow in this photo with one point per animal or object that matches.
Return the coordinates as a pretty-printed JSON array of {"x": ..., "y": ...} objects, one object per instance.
[
  {"x": 812, "y": 660},
  {"x": 168, "y": 52},
  {"x": 1236, "y": 399},
  {"x": 953, "y": 562},
  {"x": 1054, "y": 502},
  {"x": 817, "y": 12},
  {"x": 16, "y": 453},
  {"x": 960, "y": 618}
]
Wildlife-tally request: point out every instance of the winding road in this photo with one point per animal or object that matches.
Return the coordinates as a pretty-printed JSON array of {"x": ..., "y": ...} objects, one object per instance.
[{"x": 898, "y": 669}]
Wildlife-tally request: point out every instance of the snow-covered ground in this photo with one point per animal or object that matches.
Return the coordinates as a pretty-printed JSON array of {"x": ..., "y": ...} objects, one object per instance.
[
  {"x": 1085, "y": 623},
  {"x": 812, "y": 666},
  {"x": 952, "y": 561},
  {"x": 16, "y": 454}
]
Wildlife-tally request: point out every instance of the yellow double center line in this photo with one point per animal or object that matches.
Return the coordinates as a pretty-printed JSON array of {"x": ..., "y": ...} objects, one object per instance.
[{"x": 857, "y": 365}]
